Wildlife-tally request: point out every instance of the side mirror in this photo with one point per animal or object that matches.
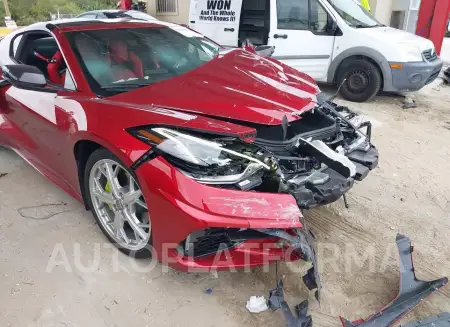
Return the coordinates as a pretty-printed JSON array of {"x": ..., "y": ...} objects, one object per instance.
[
  {"x": 265, "y": 50},
  {"x": 24, "y": 76},
  {"x": 333, "y": 27}
]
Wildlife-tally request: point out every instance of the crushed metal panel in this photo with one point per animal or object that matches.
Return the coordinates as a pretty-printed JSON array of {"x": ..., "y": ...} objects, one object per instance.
[{"x": 412, "y": 291}]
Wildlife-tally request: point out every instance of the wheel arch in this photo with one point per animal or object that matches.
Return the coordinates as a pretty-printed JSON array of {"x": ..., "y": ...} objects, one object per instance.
[
  {"x": 362, "y": 52},
  {"x": 82, "y": 150}
]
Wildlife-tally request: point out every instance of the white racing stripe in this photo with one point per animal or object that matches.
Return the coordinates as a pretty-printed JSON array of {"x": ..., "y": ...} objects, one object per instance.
[
  {"x": 75, "y": 109},
  {"x": 42, "y": 103}
]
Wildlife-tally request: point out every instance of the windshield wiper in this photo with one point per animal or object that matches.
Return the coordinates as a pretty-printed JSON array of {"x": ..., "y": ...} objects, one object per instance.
[
  {"x": 125, "y": 87},
  {"x": 368, "y": 26}
]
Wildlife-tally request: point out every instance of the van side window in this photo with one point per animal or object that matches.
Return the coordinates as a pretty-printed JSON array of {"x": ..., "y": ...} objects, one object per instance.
[
  {"x": 292, "y": 14},
  {"x": 302, "y": 15},
  {"x": 318, "y": 17}
]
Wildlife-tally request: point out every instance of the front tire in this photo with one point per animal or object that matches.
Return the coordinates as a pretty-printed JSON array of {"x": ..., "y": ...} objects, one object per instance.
[
  {"x": 116, "y": 201},
  {"x": 363, "y": 80}
]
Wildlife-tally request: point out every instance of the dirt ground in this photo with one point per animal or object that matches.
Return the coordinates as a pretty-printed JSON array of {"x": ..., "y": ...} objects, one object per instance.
[{"x": 409, "y": 193}]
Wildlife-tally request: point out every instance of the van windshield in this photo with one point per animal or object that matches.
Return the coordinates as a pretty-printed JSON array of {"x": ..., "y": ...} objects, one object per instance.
[{"x": 354, "y": 14}]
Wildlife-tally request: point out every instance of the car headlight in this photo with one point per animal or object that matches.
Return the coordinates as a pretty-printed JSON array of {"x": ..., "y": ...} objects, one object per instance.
[
  {"x": 217, "y": 160},
  {"x": 414, "y": 55}
]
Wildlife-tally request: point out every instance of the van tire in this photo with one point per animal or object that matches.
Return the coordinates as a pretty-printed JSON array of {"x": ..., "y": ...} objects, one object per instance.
[{"x": 363, "y": 80}]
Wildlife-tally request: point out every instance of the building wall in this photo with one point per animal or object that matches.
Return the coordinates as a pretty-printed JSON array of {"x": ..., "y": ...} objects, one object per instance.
[
  {"x": 181, "y": 17},
  {"x": 382, "y": 10}
]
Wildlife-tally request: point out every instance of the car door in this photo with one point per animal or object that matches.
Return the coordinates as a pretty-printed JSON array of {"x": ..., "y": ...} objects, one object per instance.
[
  {"x": 217, "y": 20},
  {"x": 40, "y": 127},
  {"x": 302, "y": 33}
]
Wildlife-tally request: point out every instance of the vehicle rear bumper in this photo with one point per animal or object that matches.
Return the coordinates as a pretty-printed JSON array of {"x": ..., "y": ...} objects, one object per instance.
[{"x": 415, "y": 75}]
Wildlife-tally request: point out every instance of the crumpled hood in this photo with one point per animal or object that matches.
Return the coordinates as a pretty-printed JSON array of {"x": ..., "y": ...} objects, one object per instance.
[
  {"x": 237, "y": 85},
  {"x": 399, "y": 37}
]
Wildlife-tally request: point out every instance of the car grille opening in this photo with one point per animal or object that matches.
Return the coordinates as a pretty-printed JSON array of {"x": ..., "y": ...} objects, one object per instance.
[
  {"x": 208, "y": 241},
  {"x": 430, "y": 55}
]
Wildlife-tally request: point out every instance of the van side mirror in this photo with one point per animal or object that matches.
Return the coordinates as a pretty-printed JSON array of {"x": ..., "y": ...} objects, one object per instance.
[
  {"x": 24, "y": 76},
  {"x": 332, "y": 27}
]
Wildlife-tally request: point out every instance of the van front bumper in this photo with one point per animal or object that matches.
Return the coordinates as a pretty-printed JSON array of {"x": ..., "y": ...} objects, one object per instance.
[{"x": 415, "y": 75}]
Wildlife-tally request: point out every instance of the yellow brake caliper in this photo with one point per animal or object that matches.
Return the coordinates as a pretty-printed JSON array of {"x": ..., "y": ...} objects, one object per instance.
[{"x": 108, "y": 190}]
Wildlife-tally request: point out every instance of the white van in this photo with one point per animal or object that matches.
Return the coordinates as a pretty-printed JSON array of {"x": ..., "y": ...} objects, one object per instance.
[{"x": 330, "y": 40}]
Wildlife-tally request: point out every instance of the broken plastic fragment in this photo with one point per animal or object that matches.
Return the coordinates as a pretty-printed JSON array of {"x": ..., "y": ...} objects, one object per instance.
[
  {"x": 276, "y": 301},
  {"x": 442, "y": 320},
  {"x": 257, "y": 304},
  {"x": 412, "y": 291}
]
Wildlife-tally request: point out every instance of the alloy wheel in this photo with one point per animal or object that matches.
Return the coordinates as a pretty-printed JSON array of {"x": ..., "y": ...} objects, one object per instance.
[{"x": 119, "y": 204}]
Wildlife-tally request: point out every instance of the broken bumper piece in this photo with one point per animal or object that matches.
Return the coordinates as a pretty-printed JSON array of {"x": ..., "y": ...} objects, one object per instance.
[
  {"x": 313, "y": 193},
  {"x": 412, "y": 291},
  {"x": 276, "y": 301},
  {"x": 365, "y": 160},
  {"x": 442, "y": 320}
]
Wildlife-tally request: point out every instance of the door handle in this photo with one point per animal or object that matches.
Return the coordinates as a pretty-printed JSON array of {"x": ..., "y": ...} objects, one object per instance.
[
  {"x": 281, "y": 36},
  {"x": 228, "y": 29}
]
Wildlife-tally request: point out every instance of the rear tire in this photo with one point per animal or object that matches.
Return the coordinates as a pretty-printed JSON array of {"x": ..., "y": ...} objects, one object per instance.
[
  {"x": 363, "y": 80},
  {"x": 117, "y": 203}
]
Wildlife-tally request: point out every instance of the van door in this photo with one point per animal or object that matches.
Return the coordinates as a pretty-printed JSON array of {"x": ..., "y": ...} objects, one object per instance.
[
  {"x": 301, "y": 31},
  {"x": 217, "y": 20}
]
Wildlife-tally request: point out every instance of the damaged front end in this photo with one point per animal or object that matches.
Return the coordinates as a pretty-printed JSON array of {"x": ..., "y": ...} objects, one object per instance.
[
  {"x": 289, "y": 244},
  {"x": 316, "y": 158}
]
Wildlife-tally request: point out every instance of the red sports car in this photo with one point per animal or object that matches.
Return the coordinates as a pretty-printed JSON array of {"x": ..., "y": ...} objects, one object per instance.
[{"x": 207, "y": 154}]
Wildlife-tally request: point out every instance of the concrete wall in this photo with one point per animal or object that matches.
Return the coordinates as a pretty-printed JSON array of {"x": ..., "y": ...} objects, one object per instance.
[
  {"x": 382, "y": 10},
  {"x": 181, "y": 18}
]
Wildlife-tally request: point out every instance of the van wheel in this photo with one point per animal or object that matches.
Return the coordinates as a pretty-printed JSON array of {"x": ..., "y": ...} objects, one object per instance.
[{"x": 363, "y": 80}]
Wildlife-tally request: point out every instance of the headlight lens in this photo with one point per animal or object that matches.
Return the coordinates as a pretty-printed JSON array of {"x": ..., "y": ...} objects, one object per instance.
[
  {"x": 208, "y": 161},
  {"x": 414, "y": 56}
]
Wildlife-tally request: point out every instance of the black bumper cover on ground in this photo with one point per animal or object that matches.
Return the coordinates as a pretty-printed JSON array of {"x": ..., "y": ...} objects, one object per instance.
[
  {"x": 442, "y": 320},
  {"x": 412, "y": 291},
  {"x": 276, "y": 301}
]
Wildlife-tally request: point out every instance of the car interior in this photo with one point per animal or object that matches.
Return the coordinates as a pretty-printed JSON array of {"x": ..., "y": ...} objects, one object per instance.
[
  {"x": 255, "y": 22},
  {"x": 41, "y": 51}
]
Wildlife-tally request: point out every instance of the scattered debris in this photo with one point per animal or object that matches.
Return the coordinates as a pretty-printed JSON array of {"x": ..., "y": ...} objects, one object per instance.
[
  {"x": 412, "y": 291},
  {"x": 257, "y": 304},
  {"x": 409, "y": 103},
  {"x": 447, "y": 75},
  {"x": 44, "y": 211},
  {"x": 3, "y": 174},
  {"x": 442, "y": 320},
  {"x": 276, "y": 301}
]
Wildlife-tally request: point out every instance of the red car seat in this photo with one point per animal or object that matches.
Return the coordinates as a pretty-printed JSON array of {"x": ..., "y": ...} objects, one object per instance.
[
  {"x": 128, "y": 65},
  {"x": 54, "y": 69}
]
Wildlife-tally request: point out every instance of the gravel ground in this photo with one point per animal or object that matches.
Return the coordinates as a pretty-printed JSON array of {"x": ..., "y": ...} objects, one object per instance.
[{"x": 57, "y": 270}]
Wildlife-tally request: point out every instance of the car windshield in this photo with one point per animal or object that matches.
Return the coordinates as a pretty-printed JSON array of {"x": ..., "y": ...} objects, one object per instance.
[
  {"x": 129, "y": 14},
  {"x": 354, "y": 14},
  {"x": 119, "y": 60}
]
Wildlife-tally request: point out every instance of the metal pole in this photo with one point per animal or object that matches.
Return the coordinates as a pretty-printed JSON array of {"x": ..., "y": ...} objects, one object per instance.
[{"x": 5, "y": 3}]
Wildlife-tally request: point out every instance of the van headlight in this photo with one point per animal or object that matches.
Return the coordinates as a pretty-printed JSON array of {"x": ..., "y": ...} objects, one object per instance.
[
  {"x": 414, "y": 55},
  {"x": 209, "y": 160}
]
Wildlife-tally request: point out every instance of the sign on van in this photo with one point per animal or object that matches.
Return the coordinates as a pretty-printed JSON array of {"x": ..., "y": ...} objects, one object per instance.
[{"x": 217, "y": 11}]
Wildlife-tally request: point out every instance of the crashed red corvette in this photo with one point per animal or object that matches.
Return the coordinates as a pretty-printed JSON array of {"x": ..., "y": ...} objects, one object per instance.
[{"x": 172, "y": 141}]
